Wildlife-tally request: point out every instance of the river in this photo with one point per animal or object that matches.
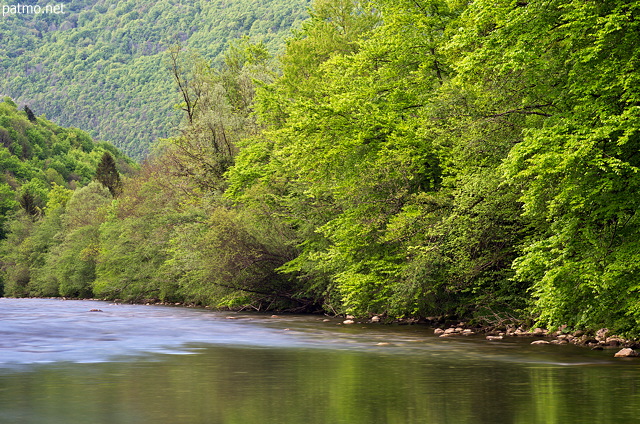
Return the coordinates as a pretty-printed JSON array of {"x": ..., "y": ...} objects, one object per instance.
[{"x": 60, "y": 362}]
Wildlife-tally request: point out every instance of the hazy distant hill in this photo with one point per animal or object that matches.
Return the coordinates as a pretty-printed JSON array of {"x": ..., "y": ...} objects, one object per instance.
[{"x": 100, "y": 65}]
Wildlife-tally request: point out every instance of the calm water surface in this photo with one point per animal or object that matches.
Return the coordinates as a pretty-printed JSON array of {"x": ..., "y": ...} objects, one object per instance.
[{"x": 60, "y": 363}]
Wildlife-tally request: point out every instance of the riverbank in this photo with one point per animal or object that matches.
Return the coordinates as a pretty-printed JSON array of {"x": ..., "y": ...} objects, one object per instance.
[{"x": 600, "y": 339}]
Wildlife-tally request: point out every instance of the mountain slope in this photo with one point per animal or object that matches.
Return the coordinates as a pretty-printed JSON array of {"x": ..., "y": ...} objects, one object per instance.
[
  {"x": 36, "y": 156},
  {"x": 101, "y": 65}
]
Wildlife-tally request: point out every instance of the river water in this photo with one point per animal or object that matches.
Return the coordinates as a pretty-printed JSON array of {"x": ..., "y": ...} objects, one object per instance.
[{"x": 62, "y": 363}]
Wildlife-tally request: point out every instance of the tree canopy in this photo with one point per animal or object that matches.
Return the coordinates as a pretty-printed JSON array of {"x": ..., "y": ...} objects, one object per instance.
[{"x": 437, "y": 158}]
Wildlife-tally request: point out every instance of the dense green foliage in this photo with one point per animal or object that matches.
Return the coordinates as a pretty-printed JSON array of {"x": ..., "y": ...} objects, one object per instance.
[
  {"x": 100, "y": 65},
  {"x": 409, "y": 158},
  {"x": 42, "y": 164}
]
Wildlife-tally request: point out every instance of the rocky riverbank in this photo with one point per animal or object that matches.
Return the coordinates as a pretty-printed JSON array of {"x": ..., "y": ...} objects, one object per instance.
[
  {"x": 598, "y": 340},
  {"x": 602, "y": 339}
]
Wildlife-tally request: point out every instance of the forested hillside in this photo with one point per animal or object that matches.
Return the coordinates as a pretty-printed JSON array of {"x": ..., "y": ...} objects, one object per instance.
[
  {"x": 44, "y": 167},
  {"x": 101, "y": 65},
  {"x": 447, "y": 158}
]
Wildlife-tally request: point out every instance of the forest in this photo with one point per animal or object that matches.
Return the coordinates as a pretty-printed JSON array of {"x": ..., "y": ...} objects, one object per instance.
[
  {"x": 409, "y": 158},
  {"x": 101, "y": 64}
]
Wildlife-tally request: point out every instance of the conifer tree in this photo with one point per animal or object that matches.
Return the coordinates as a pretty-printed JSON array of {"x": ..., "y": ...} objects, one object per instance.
[
  {"x": 30, "y": 114},
  {"x": 107, "y": 174}
]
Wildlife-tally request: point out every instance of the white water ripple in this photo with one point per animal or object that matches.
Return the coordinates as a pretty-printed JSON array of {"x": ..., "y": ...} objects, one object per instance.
[{"x": 51, "y": 330}]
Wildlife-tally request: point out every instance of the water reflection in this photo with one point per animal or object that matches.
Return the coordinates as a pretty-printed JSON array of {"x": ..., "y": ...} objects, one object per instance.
[{"x": 415, "y": 379}]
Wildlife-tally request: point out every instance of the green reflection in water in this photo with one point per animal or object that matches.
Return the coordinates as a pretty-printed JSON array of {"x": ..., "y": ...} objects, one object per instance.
[{"x": 304, "y": 386}]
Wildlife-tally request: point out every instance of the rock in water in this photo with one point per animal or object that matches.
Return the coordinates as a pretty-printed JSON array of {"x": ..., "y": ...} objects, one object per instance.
[
  {"x": 626, "y": 353},
  {"x": 540, "y": 342}
]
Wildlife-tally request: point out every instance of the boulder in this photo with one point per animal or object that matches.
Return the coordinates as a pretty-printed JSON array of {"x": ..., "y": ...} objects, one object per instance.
[
  {"x": 539, "y": 332},
  {"x": 438, "y": 331},
  {"x": 540, "y": 342},
  {"x": 626, "y": 353},
  {"x": 491, "y": 338},
  {"x": 348, "y": 321},
  {"x": 601, "y": 334},
  {"x": 615, "y": 341},
  {"x": 586, "y": 340},
  {"x": 375, "y": 319}
]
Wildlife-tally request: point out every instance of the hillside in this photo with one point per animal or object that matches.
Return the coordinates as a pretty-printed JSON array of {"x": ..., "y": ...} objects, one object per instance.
[
  {"x": 101, "y": 65},
  {"x": 37, "y": 156}
]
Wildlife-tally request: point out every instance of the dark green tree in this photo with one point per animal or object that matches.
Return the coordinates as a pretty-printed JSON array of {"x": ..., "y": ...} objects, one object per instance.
[
  {"x": 108, "y": 175},
  {"x": 30, "y": 114},
  {"x": 29, "y": 204}
]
